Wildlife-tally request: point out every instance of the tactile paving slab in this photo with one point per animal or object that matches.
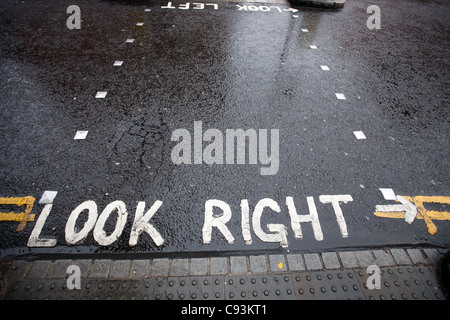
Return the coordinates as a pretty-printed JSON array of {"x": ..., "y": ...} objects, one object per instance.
[
  {"x": 327, "y": 285},
  {"x": 259, "y": 287},
  {"x": 91, "y": 289},
  {"x": 396, "y": 282},
  {"x": 166, "y": 288},
  {"x": 195, "y": 288},
  {"x": 402, "y": 283},
  {"x": 40, "y": 290}
]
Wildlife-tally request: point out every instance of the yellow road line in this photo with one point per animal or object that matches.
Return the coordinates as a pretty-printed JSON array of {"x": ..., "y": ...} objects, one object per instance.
[
  {"x": 427, "y": 215},
  {"x": 21, "y": 217}
]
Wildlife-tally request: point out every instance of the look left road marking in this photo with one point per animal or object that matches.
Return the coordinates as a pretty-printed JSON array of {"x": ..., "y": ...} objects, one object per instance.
[{"x": 21, "y": 217}]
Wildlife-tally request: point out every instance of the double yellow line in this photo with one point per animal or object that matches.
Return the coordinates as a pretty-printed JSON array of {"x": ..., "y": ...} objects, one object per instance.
[
  {"x": 427, "y": 215},
  {"x": 21, "y": 217}
]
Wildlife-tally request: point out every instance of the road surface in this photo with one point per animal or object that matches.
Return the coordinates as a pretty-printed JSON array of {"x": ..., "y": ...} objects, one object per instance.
[{"x": 329, "y": 111}]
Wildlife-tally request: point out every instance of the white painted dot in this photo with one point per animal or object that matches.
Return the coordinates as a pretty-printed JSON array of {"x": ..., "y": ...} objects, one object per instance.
[
  {"x": 101, "y": 94},
  {"x": 147, "y": 10},
  {"x": 304, "y": 30},
  {"x": 325, "y": 68},
  {"x": 80, "y": 135},
  {"x": 118, "y": 63},
  {"x": 313, "y": 47},
  {"x": 129, "y": 41},
  {"x": 340, "y": 96},
  {"x": 359, "y": 135},
  {"x": 388, "y": 193},
  {"x": 295, "y": 16},
  {"x": 139, "y": 24}
]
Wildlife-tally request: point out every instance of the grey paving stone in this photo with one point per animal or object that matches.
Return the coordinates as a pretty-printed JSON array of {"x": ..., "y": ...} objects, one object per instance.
[
  {"x": 383, "y": 258},
  {"x": 17, "y": 269},
  {"x": 348, "y": 259},
  {"x": 58, "y": 269},
  {"x": 417, "y": 256},
  {"x": 120, "y": 269},
  {"x": 330, "y": 260},
  {"x": 38, "y": 269},
  {"x": 432, "y": 254},
  {"x": 400, "y": 256},
  {"x": 199, "y": 266},
  {"x": 312, "y": 261},
  {"x": 180, "y": 267},
  {"x": 258, "y": 264},
  {"x": 238, "y": 264},
  {"x": 365, "y": 258},
  {"x": 140, "y": 268},
  {"x": 295, "y": 262},
  {"x": 100, "y": 269},
  {"x": 276, "y": 261},
  {"x": 160, "y": 267},
  {"x": 219, "y": 266},
  {"x": 84, "y": 265}
]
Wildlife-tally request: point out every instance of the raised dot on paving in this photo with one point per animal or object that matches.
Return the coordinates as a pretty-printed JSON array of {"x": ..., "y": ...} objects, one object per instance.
[{"x": 101, "y": 94}]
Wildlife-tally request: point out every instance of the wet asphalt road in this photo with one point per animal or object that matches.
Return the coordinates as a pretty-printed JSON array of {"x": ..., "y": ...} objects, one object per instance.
[{"x": 229, "y": 69}]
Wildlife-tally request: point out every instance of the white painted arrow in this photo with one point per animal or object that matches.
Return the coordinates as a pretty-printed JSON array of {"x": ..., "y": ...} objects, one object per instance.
[
  {"x": 291, "y": 9},
  {"x": 407, "y": 206}
]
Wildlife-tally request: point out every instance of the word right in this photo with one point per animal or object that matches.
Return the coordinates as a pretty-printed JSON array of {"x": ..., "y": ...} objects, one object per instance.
[{"x": 278, "y": 231}]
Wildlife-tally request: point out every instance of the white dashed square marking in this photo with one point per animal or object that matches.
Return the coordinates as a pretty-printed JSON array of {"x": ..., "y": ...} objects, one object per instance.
[
  {"x": 80, "y": 135},
  {"x": 118, "y": 63},
  {"x": 340, "y": 96},
  {"x": 313, "y": 47},
  {"x": 48, "y": 197},
  {"x": 359, "y": 135},
  {"x": 325, "y": 68},
  {"x": 101, "y": 94},
  {"x": 388, "y": 193}
]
